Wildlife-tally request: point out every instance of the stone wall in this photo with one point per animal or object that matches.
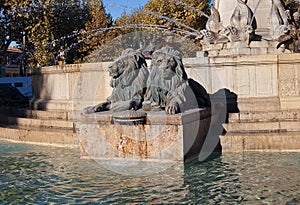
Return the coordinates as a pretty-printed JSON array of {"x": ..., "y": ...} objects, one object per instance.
[
  {"x": 70, "y": 86},
  {"x": 260, "y": 81}
]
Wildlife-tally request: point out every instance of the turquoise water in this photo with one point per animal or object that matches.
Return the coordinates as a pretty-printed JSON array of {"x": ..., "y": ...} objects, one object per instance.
[{"x": 43, "y": 175}]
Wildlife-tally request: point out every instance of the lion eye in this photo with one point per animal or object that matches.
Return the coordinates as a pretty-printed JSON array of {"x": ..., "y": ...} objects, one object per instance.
[{"x": 159, "y": 61}]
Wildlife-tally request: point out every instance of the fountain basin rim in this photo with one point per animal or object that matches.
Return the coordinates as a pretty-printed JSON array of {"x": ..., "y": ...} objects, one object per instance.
[{"x": 152, "y": 117}]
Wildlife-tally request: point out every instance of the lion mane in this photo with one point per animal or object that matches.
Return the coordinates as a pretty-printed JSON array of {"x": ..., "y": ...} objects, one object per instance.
[
  {"x": 129, "y": 74},
  {"x": 168, "y": 86}
]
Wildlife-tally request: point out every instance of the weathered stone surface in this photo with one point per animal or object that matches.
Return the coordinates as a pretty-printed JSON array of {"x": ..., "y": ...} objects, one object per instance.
[
  {"x": 270, "y": 82},
  {"x": 161, "y": 138},
  {"x": 40, "y": 136},
  {"x": 253, "y": 127},
  {"x": 263, "y": 116},
  {"x": 276, "y": 130},
  {"x": 261, "y": 142},
  {"x": 262, "y": 11},
  {"x": 31, "y": 122}
]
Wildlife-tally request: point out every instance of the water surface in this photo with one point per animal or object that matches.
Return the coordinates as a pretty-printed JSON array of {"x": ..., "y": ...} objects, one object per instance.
[{"x": 45, "y": 175}]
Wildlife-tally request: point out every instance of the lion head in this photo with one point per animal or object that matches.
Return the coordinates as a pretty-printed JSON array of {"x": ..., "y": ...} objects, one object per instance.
[
  {"x": 129, "y": 74},
  {"x": 168, "y": 62},
  {"x": 126, "y": 68},
  {"x": 167, "y": 81},
  {"x": 168, "y": 86}
]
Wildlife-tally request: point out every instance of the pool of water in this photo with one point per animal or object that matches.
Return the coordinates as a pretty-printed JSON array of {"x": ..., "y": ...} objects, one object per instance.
[{"x": 45, "y": 175}]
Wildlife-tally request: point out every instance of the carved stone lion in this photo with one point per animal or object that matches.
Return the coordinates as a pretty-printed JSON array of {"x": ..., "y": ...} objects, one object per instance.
[
  {"x": 129, "y": 76},
  {"x": 168, "y": 86}
]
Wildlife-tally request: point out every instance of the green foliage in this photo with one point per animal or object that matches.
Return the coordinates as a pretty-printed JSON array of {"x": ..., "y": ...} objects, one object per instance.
[
  {"x": 175, "y": 10},
  {"x": 292, "y": 5},
  {"x": 43, "y": 21},
  {"x": 163, "y": 12},
  {"x": 11, "y": 24},
  {"x": 52, "y": 26},
  {"x": 93, "y": 34}
]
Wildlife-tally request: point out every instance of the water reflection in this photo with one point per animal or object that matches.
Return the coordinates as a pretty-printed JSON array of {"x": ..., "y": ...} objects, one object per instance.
[{"x": 42, "y": 175}]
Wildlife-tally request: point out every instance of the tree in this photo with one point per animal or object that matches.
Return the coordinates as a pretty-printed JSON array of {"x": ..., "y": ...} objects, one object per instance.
[
  {"x": 11, "y": 26},
  {"x": 292, "y": 5},
  {"x": 94, "y": 34},
  {"x": 66, "y": 21},
  {"x": 50, "y": 25},
  {"x": 54, "y": 26},
  {"x": 180, "y": 11},
  {"x": 180, "y": 17}
]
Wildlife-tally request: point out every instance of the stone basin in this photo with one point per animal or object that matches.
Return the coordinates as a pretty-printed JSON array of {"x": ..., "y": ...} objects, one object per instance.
[
  {"x": 129, "y": 117},
  {"x": 160, "y": 137}
]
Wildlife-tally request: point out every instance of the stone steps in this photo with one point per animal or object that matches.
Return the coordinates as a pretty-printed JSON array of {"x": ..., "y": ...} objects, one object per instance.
[
  {"x": 277, "y": 130},
  {"x": 265, "y": 116},
  {"x": 48, "y": 136},
  {"x": 33, "y": 122},
  {"x": 53, "y": 127},
  {"x": 256, "y": 127},
  {"x": 264, "y": 121},
  {"x": 37, "y": 114},
  {"x": 239, "y": 142}
]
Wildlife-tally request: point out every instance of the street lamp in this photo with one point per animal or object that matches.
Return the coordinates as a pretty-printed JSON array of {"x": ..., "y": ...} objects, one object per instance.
[{"x": 23, "y": 67}]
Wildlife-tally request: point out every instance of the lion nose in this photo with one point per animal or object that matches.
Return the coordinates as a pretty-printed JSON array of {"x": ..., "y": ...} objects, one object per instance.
[{"x": 165, "y": 66}]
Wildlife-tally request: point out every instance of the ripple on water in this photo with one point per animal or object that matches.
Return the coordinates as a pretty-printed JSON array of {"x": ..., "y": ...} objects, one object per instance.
[{"x": 42, "y": 175}]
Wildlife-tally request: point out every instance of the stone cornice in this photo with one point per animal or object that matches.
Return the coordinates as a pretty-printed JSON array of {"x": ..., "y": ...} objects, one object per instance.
[
  {"x": 230, "y": 61},
  {"x": 71, "y": 68},
  {"x": 189, "y": 63}
]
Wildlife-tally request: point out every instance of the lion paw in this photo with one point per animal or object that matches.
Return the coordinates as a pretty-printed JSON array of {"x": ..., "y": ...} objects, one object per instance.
[
  {"x": 88, "y": 110},
  {"x": 172, "y": 109}
]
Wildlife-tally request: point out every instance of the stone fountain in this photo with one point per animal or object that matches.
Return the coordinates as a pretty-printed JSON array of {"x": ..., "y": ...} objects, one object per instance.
[
  {"x": 171, "y": 118},
  {"x": 152, "y": 116},
  {"x": 250, "y": 48}
]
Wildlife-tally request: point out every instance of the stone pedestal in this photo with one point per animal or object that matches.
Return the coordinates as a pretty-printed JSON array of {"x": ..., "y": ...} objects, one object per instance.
[{"x": 162, "y": 137}]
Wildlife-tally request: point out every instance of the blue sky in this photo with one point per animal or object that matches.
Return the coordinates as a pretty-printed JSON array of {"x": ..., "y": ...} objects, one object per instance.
[{"x": 117, "y": 7}]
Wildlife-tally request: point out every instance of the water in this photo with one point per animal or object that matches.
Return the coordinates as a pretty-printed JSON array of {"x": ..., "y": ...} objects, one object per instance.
[{"x": 43, "y": 175}]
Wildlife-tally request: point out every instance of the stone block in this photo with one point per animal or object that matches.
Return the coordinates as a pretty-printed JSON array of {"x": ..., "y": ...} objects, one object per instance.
[
  {"x": 291, "y": 126},
  {"x": 272, "y": 142},
  {"x": 40, "y": 136},
  {"x": 258, "y": 51},
  {"x": 231, "y": 143},
  {"x": 253, "y": 127},
  {"x": 290, "y": 102},
  {"x": 245, "y": 142},
  {"x": 162, "y": 137}
]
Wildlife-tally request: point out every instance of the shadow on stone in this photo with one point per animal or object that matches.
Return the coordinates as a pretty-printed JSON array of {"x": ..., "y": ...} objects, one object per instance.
[
  {"x": 223, "y": 102},
  {"x": 11, "y": 96}
]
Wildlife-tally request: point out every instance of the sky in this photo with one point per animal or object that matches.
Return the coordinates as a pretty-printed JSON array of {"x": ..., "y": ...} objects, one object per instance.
[{"x": 117, "y": 7}]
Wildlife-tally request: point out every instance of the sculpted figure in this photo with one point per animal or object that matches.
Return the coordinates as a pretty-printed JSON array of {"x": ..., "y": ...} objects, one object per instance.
[
  {"x": 212, "y": 32},
  {"x": 129, "y": 74},
  {"x": 168, "y": 86},
  {"x": 291, "y": 39},
  {"x": 241, "y": 23},
  {"x": 296, "y": 18},
  {"x": 214, "y": 21},
  {"x": 278, "y": 19}
]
